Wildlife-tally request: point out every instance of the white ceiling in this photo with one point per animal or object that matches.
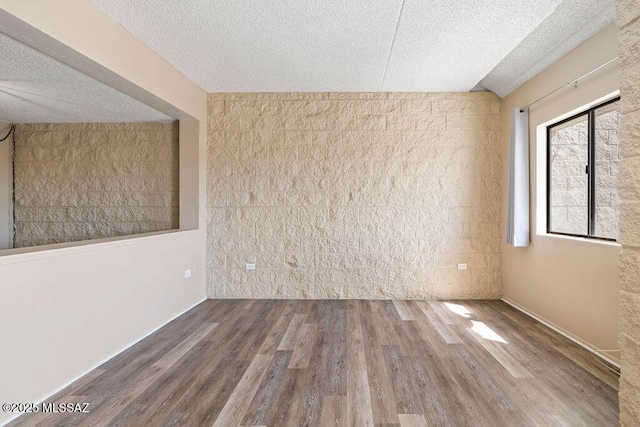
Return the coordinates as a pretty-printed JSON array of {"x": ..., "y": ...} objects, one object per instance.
[
  {"x": 357, "y": 45},
  {"x": 35, "y": 88},
  {"x": 450, "y": 45},
  {"x": 555, "y": 37}
]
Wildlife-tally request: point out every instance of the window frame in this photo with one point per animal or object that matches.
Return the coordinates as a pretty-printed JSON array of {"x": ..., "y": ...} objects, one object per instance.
[{"x": 590, "y": 171}]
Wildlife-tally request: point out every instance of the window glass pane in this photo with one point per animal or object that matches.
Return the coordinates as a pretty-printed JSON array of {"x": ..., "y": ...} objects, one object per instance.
[
  {"x": 569, "y": 183},
  {"x": 607, "y": 164}
]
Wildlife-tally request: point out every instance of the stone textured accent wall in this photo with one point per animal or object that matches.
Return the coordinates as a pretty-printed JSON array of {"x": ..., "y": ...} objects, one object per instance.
[
  {"x": 569, "y": 182},
  {"x": 86, "y": 181},
  {"x": 354, "y": 195},
  {"x": 607, "y": 168},
  {"x": 629, "y": 192}
]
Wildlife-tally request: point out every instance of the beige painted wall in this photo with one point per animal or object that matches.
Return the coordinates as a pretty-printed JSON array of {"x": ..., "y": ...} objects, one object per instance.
[
  {"x": 6, "y": 211},
  {"x": 354, "y": 195},
  {"x": 86, "y": 302},
  {"x": 629, "y": 191},
  {"x": 94, "y": 180},
  {"x": 571, "y": 283}
]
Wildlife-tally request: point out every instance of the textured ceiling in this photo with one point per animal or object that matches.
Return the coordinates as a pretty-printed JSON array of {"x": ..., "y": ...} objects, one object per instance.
[
  {"x": 451, "y": 45},
  {"x": 331, "y": 45},
  {"x": 353, "y": 45},
  {"x": 35, "y": 88},
  {"x": 554, "y": 38},
  {"x": 267, "y": 45}
]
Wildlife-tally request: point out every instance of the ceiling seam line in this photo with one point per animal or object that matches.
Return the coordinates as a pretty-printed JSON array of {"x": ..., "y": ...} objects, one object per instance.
[{"x": 393, "y": 42}]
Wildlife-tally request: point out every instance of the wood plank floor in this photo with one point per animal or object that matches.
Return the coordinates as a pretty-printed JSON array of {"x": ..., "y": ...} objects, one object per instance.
[{"x": 335, "y": 363}]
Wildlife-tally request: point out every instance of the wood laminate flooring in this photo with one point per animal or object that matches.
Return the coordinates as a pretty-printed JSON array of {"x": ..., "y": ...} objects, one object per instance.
[{"x": 346, "y": 363}]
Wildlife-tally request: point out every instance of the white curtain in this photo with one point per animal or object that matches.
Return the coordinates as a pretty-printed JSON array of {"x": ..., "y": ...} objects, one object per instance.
[{"x": 518, "y": 196}]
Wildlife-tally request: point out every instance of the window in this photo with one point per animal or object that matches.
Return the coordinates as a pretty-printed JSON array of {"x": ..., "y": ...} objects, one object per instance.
[{"x": 582, "y": 165}]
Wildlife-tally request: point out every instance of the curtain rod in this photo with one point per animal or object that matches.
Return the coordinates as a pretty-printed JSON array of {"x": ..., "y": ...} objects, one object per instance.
[{"x": 571, "y": 83}]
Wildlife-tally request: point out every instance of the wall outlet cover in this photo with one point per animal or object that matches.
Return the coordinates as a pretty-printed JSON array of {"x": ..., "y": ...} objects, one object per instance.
[
  {"x": 462, "y": 266},
  {"x": 251, "y": 266},
  {"x": 187, "y": 273}
]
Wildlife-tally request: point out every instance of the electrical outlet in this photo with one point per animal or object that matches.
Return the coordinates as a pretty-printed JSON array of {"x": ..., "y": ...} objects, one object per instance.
[
  {"x": 462, "y": 266},
  {"x": 251, "y": 266},
  {"x": 187, "y": 273}
]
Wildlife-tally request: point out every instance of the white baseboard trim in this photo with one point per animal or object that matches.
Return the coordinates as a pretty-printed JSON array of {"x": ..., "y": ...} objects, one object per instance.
[
  {"x": 562, "y": 332},
  {"x": 111, "y": 356}
]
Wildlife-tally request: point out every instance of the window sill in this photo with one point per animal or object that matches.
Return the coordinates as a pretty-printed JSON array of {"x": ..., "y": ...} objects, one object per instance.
[{"x": 581, "y": 239}]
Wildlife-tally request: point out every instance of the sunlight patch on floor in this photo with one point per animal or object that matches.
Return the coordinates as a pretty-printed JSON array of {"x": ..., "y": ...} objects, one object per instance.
[
  {"x": 458, "y": 309},
  {"x": 486, "y": 332}
]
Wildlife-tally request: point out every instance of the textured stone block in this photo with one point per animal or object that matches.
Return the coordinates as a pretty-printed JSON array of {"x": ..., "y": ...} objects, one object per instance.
[
  {"x": 385, "y": 138},
  {"x": 404, "y": 123},
  {"x": 358, "y": 290},
  {"x": 629, "y": 322},
  {"x": 630, "y": 127},
  {"x": 629, "y": 51},
  {"x": 327, "y": 291},
  {"x": 630, "y": 88},
  {"x": 629, "y": 338},
  {"x": 304, "y": 122},
  {"x": 431, "y": 123},
  {"x": 416, "y": 107},
  {"x": 629, "y": 229},
  {"x": 351, "y": 108},
  {"x": 473, "y": 122},
  {"x": 629, "y": 394},
  {"x": 463, "y": 106},
  {"x": 215, "y": 107},
  {"x": 356, "y": 122},
  {"x": 343, "y": 197},
  {"x": 296, "y": 138},
  {"x": 97, "y": 180},
  {"x": 386, "y": 107},
  {"x": 627, "y": 11},
  {"x": 629, "y": 268},
  {"x": 257, "y": 290},
  {"x": 253, "y": 107},
  {"x": 31, "y": 138}
]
